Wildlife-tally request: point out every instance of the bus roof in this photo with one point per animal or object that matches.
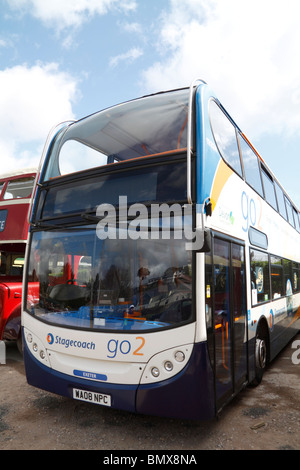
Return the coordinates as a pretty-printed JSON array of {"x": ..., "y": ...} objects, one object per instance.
[{"x": 17, "y": 172}]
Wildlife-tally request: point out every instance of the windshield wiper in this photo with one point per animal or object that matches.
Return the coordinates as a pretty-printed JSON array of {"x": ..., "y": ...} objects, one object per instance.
[
  {"x": 89, "y": 216},
  {"x": 42, "y": 225}
]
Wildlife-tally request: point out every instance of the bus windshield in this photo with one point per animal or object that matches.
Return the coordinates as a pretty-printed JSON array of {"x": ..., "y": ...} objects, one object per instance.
[
  {"x": 113, "y": 284},
  {"x": 138, "y": 128}
]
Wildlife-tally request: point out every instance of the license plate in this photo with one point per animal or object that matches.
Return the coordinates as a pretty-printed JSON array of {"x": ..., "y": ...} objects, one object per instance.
[{"x": 92, "y": 397}]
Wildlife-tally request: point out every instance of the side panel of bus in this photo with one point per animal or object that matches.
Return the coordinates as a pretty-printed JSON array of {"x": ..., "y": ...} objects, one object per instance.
[
  {"x": 15, "y": 227},
  {"x": 238, "y": 308}
]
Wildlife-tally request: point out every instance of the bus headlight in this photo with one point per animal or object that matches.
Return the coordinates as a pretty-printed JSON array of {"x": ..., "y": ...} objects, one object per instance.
[
  {"x": 36, "y": 347},
  {"x": 155, "y": 371},
  {"x": 179, "y": 356},
  {"x": 42, "y": 354},
  {"x": 166, "y": 364}
]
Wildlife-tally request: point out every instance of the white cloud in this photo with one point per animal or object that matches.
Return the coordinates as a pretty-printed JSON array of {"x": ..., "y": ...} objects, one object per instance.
[
  {"x": 69, "y": 13},
  {"x": 247, "y": 51},
  {"x": 129, "y": 56},
  {"x": 133, "y": 28},
  {"x": 34, "y": 99}
]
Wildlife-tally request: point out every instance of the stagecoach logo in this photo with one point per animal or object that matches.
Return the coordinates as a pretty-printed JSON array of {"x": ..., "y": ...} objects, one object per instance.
[
  {"x": 70, "y": 343},
  {"x": 50, "y": 338}
]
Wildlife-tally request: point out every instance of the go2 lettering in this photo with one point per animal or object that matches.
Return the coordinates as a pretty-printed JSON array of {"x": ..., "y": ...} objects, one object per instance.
[
  {"x": 248, "y": 211},
  {"x": 124, "y": 347}
]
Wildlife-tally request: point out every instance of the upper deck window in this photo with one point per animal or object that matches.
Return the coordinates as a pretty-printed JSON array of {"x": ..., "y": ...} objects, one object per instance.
[
  {"x": 296, "y": 217},
  {"x": 269, "y": 188},
  {"x": 138, "y": 128},
  {"x": 251, "y": 166},
  {"x": 280, "y": 199},
  {"x": 19, "y": 188},
  {"x": 225, "y": 137},
  {"x": 289, "y": 211}
]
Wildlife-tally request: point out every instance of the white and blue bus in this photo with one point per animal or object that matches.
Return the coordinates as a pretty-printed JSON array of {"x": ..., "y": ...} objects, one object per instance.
[{"x": 166, "y": 255}]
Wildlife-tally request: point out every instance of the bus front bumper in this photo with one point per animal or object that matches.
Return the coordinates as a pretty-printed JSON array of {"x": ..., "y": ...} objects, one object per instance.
[{"x": 188, "y": 395}]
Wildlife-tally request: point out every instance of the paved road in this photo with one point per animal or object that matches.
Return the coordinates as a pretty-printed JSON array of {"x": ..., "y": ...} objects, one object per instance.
[{"x": 266, "y": 417}]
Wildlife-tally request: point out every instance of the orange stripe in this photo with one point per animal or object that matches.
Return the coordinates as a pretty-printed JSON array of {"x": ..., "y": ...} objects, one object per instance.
[
  {"x": 222, "y": 174},
  {"x": 296, "y": 317}
]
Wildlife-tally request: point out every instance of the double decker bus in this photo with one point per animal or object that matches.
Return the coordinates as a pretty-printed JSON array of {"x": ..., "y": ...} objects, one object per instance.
[
  {"x": 167, "y": 258},
  {"x": 15, "y": 195}
]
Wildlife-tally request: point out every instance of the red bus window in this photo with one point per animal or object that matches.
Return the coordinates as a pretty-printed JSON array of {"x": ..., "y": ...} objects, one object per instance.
[{"x": 19, "y": 188}]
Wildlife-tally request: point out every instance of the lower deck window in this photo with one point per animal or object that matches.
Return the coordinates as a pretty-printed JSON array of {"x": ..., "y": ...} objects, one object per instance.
[{"x": 260, "y": 277}]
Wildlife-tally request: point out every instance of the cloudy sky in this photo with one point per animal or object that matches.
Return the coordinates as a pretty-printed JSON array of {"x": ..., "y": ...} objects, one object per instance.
[{"x": 62, "y": 60}]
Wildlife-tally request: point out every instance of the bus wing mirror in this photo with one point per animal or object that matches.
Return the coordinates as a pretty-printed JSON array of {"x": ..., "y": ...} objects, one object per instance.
[{"x": 208, "y": 208}]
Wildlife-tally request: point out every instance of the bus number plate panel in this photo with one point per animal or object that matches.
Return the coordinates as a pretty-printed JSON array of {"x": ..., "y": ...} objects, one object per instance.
[{"x": 92, "y": 397}]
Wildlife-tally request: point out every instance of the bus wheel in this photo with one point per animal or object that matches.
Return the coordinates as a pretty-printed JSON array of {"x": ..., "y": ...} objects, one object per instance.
[
  {"x": 20, "y": 344},
  {"x": 261, "y": 353}
]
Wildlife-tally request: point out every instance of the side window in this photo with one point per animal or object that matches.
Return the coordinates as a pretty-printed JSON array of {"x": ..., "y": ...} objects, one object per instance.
[
  {"x": 296, "y": 218},
  {"x": 269, "y": 188},
  {"x": 1, "y": 187},
  {"x": 19, "y": 188},
  {"x": 225, "y": 136},
  {"x": 289, "y": 211},
  {"x": 296, "y": 277},
  {"x": 288, "y": 277},
  {"x": 251, "y": 166},
  {"x": 260, "y": 278},
  {"x": 11, "y": 264},
  {"x": 277, "y": 277},
  {"x": 84, "y": 272},
  {"x": 280, "y": 199}
]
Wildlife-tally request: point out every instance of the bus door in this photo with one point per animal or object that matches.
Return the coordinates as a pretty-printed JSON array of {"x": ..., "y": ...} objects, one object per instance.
[{"x": 229, "y": 318}]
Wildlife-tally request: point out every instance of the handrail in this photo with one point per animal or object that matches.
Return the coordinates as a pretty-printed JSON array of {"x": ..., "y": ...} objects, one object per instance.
[
  {"x": 189, "y": 140},
  {"x": 50, "y": 137}
]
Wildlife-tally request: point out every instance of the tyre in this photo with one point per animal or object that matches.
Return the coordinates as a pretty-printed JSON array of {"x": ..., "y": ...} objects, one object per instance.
[
  {"x": 261, "y": 356},
  {"x": 20, "y": 344}
]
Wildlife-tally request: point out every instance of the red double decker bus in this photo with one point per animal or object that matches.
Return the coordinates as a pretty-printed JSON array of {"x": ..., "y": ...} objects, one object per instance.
[{"x": 15, "y": 195}]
